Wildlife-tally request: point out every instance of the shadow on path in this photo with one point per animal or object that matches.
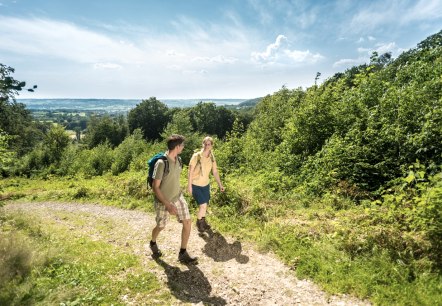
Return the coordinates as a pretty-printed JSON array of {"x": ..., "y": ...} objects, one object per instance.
[
  {"x": 219, "y": 249},
  {"x": 189, "y": 286}
]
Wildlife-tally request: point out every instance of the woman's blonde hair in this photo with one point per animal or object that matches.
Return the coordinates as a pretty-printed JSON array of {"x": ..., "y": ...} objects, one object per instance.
[{"x": 206, "y": 139}]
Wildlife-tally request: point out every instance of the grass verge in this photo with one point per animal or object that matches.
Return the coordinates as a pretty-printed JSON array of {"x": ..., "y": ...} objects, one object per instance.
[
  {"x": 45, "y": 263},
  {"x": 352, "y": 250}
]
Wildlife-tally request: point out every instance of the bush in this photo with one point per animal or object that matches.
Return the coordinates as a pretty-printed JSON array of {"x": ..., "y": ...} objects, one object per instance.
[
  {"x": 67, "y": 162},
  {"x": 96, "y": 161},
  {"x": 33, "y": 162},
  {"x": 81, "y": 192},
  {"x": 414, "y": 204},
  {"x": 127, "y": 151}
]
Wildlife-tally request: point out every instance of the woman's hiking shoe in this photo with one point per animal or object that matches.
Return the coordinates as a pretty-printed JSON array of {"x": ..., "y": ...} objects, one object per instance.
[
  {"x": 155, "y": 250},
  {"x": 206, "y": 225},
  {"x": 202, "y": 225},
  {"x": 186, "y": 259}
]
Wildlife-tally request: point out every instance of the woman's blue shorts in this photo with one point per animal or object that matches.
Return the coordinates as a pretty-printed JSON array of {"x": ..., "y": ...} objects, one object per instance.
[{"x": 201, "y": 194}]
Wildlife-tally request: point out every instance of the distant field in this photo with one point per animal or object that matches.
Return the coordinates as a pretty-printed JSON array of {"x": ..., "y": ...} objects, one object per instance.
[{"x": 111, "y": 105}]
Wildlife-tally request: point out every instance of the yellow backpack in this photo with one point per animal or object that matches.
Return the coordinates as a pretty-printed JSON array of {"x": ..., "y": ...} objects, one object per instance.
[{"x": 198, "y": 160}]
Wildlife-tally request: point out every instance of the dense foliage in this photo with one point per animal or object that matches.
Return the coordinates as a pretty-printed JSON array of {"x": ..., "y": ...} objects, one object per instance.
[
  {"x": 151, "y": 116},
  {"x": 106, "y": 129},
  {"x": 361, "y": 128}
]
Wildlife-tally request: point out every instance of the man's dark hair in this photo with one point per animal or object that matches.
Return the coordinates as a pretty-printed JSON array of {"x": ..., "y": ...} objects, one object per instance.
[{"x": 174, "y": 140}]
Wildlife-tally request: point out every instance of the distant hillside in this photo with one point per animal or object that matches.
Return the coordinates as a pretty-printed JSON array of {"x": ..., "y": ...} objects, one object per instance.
[{"x": 249, "y": 103}]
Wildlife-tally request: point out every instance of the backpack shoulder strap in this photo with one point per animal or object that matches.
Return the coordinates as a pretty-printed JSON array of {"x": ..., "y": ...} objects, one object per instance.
[{"x": 166, "y": 164}]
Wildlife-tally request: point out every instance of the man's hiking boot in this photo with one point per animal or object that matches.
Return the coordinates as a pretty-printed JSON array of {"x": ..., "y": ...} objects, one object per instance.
[
  {"x": 155, "y": 250},
  {"x": 186, "y": 259}
]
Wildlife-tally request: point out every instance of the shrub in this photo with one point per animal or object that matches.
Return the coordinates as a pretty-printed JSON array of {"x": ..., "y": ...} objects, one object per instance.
[
  {"x": 414, "y": 205},
  {"x": 97, "y": 160},
  {"x": 81, "y": 192},
  {"x": 127, "y": 151}
]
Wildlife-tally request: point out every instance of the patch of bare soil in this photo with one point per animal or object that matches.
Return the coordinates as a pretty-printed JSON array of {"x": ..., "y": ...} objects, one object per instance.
[{"x": 229, "y": 272}]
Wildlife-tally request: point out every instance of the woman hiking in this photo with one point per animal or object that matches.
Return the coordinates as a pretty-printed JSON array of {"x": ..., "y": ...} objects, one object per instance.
[{"x": 201, "y": 164}]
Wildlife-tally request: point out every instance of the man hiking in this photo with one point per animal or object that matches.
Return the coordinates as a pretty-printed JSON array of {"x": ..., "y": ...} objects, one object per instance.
[{"x": 169, "y": 199}]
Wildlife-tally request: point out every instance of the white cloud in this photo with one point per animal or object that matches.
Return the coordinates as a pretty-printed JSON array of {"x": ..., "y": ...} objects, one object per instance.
[
  {"x": 219, "y": 59},
  {"x": 174, "y": 67},
  {"x": 279, "y": 52},
  {"x": 111, "y": 66},
  {"x": 190, "y": 27},
  {"x": 195, "y": 72},
  {"x": 397, "y": 13},
  {"x": 387, "y": 47},
  {"x": 303, "y": 56},
  {"x": 364, "y": 50},
  {"x": 270, "y": 51},
  {"x": 363, "y": 39},
  {"x": 64, "y": 40},
  {"x": 380, "y": 48},
  {"x": 60, "y": 40},
  {"x": 307, "y": 19},
  {"x": 262, "y": 11},
  {"x": 346, "y": 62},
  {"x": 174, "y": 53},
  {"x": 423, "y": 10}
]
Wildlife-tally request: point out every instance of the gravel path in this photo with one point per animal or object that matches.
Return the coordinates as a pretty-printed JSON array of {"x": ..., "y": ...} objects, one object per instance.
[{"x": 229, "y": 272}]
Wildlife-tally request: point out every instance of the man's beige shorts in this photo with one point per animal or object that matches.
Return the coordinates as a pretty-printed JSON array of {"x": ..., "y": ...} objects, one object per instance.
[{"x": 162, "y": 215}]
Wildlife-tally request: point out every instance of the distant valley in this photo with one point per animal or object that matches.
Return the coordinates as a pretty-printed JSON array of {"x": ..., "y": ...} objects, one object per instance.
[{"x": 117, "y": 105}]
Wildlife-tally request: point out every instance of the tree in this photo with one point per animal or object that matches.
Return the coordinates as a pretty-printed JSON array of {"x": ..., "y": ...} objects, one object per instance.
[
  {"x": 6, "y": 155},
  {"x": 379, "y": 61},
  {"x": 56, "y": 142},
  {"x": 106, "y": 129},
  {"x": 180, "y": 124},
  {"x": 231, "y": 154},
  {"x": 127, "y": 151},
  {"x": 151, "y": 116},
  {"x": 15, "y": 119},
  {"x": 209, "y": 119},
  {"x": 9, "y": 87}
]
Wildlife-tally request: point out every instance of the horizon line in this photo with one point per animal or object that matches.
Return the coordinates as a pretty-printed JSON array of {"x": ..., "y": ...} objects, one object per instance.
[{"x": 136, "y": 98}]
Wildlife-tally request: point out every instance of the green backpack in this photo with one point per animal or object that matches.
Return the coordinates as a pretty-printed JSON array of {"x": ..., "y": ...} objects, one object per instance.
[{"x": 151, "y": 166}]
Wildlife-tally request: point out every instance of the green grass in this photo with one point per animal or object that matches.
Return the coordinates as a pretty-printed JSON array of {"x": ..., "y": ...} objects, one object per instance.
[
  {"x": 343, "y": 248},
  {"x": 127, "y": 191},
  {"x": 349, "y": 250},
  {"x": 49, "y": 264},
  {"x": 318, "y": 254}
]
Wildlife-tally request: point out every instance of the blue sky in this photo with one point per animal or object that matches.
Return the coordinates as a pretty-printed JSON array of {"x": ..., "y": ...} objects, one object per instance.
[{"x": 199, "y": 48}]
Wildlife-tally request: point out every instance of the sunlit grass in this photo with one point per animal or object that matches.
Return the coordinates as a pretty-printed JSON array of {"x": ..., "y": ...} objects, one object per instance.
[
  {"x": 126, "y": 191},
  {"x": 345, "y": 250},
  {"x": 48, "y": 263}
]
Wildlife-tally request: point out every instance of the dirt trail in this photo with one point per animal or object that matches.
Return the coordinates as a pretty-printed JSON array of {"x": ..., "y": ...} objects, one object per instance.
[{"x": 229, "y": 272}]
